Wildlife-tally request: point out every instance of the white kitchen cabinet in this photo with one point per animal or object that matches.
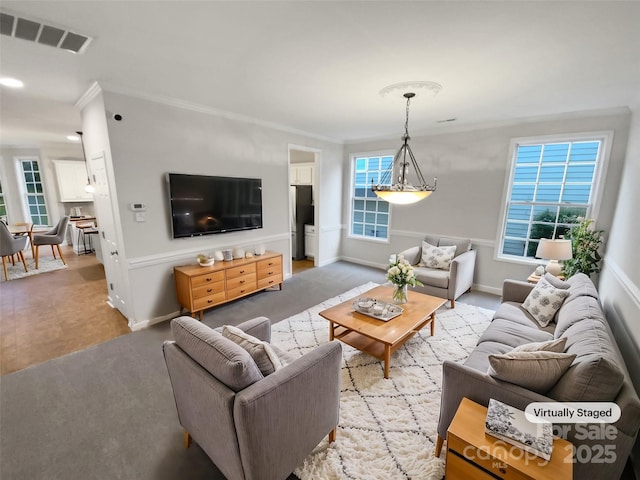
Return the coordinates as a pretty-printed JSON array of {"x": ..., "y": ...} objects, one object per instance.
[
  {"x": 302, "y": 174},
  {"x": 72, "y": 178},
  {"x": 310, "y": 241}
]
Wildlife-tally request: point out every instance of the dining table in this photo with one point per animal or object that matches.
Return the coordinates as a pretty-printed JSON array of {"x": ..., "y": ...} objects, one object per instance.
[{"x": 28, "y": 230}]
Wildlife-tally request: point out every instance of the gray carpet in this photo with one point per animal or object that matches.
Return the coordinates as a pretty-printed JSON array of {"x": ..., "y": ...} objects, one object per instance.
[{"x": 108, "y": 412}]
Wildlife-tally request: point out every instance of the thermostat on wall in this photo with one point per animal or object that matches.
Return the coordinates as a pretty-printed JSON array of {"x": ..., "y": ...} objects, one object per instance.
[{"x": 138, "y": 207}]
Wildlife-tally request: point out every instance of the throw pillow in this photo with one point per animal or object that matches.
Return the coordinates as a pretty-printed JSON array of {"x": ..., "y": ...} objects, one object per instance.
[
  {"x": 536, "y": 371},
  {"x": 556, "y": 282},
  {"x": 556, "y": 345},
  {"x": 262, "y": 353},
  {"x": 544, "y": 301},
  {"x": 437, "y": 257},
  {"x": 222, "y": 358}
]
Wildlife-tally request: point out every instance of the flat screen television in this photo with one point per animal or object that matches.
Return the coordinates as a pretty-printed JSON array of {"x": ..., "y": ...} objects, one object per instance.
[{"x": 204, "y": 205}]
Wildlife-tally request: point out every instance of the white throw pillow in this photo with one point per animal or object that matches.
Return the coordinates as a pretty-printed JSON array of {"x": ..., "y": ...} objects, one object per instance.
[
  {"x": 544, "y": 301},
  {"x": 536, "y": 371},
  {"x": 262, "y": 353},
  {"x": 437, "y": 257},
  {"x": 556, "y": 345}
]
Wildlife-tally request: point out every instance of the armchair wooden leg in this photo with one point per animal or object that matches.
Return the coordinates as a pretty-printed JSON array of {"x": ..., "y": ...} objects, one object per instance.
[
  {"x": 37, "y": 255},
  {"x": 53, "y": 252},
  {"x": 332, "y": 436},
  {"x": 24, "y": 262},
  {"x": 60, "y": 252},
  {"x": 439, "y": 443},
  {"x": 187, "y": 439},
  {"x": 453, "y": 303},
  {"x": 4, "y": 266}
]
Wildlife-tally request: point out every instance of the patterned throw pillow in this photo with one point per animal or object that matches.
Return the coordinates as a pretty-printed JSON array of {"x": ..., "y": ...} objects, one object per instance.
[
  {"x": 262, "y": 353},
  {"x": 544, "y": 301},
  {"x": 437, "y": 257}
]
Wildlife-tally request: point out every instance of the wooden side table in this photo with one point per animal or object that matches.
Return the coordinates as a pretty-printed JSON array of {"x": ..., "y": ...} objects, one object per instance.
[{"x": 471, "y": 453}]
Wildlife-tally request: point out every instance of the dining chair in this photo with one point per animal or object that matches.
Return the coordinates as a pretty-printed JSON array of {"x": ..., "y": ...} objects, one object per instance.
[
  {"x": 10, "y": 245},
  {"x": 55, "y": 236}
]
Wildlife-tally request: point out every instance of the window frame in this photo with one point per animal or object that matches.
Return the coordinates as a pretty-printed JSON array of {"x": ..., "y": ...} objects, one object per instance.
[
  {"x": 352, "y": 197},
  {"x": 22, "y": 185},
  {"x": 597, "y": 186}
]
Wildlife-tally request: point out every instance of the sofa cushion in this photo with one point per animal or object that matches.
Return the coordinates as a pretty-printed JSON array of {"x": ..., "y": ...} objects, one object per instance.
[
  {"x": 514, "y": 312},
  {"x": 478, "y": 359},
  {"x": 462, "y": 244},
  {"x": 262, "y": 353},
  {"x": 537, "y": 371},
  {"x": 557, "y": 345},
  {"x": 544, "y": 301},
  {"x": 594, "y": 375},
  {"x": 228, "y": 362},
  {"x": 512, "y": 334},
  {"x": 432, "y": 276},
  {"x": 437, "y": 257},
  {"x": 570, "y": 313},
  {"x": 580, "y": 285}
]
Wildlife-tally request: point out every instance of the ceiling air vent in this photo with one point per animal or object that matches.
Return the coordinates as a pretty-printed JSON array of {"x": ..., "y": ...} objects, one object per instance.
[{"x": 34, "y": 31}]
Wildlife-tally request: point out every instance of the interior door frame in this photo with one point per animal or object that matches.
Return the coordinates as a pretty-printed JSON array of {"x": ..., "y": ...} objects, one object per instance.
[{"x": 317, "y": 160}]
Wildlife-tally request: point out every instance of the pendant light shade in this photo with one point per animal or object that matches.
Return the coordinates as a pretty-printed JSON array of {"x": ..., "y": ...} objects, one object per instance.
[{"x": 394, "y": 186}]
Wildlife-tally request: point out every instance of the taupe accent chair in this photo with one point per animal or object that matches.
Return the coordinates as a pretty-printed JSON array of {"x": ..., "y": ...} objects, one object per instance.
[
  {"x": 253, "y": 427},
  {"x": 9, "y": 246},
  {"x": 55, "y": 236},
  {"x": 451, "y": 283}
]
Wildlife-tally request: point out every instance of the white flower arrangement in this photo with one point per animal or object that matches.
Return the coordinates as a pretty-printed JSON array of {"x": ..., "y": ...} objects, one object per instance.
[{"x": 400, "y": 272}]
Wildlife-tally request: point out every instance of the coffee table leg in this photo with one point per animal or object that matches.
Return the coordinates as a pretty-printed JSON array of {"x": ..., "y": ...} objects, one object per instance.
[
  {"x": 330, "y": 331},
  {"x": 387, "y": 360},
  {"x": 433, "y": 323}
]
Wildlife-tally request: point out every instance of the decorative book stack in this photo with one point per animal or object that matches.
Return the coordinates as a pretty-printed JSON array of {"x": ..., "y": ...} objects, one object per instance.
[{"x": 511, "y": 425}]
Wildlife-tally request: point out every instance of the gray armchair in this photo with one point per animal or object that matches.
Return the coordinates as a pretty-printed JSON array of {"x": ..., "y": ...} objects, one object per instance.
[
  {"x": 9, "y": 246},
  {"x": 55, "y": 236},
  {"x": 251, "y": 426},
  {"x": 449, "y": 284}
]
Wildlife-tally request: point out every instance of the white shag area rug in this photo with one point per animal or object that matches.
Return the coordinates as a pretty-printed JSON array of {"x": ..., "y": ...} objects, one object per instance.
[
  {"x": 45, "y": 264},
  {"x": 387, "y": 428}
]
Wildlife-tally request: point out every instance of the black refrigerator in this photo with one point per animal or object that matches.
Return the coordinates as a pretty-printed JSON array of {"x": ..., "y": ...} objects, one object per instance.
[{"x": 301, "y": 214}]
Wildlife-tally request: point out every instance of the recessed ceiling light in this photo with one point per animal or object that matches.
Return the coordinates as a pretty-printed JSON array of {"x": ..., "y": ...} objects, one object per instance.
[
  {"x": 11, "y": 82},
  {"x": 73, "y": 138}
]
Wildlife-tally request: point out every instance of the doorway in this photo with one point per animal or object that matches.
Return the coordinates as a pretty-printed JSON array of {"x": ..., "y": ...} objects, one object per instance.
[{"x": 303, "y": 207}]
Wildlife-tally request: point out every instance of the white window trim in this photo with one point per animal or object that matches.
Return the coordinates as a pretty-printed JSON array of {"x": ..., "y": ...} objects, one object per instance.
[
  {"x": 599, "y": 181},
  {"x": 352, "y": 168},
  {"x": 22, "y": 192}
]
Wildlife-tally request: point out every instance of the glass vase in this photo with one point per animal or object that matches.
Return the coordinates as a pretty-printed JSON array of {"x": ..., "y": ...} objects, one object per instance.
[{"x": 400, "y": 293}]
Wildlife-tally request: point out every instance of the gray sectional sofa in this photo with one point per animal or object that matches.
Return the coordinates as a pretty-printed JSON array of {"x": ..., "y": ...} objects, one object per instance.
[{"x": 597, "y": 373}]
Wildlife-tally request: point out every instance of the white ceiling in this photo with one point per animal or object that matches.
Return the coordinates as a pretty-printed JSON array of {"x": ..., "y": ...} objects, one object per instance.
[{"x": 318, "y": 66}]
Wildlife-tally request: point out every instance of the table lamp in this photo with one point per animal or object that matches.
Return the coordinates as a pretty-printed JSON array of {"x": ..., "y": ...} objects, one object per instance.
[{"x": 554, "y": 250}]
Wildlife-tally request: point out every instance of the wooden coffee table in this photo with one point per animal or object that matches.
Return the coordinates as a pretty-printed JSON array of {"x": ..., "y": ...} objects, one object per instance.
[{"x": 376, "y": 337}]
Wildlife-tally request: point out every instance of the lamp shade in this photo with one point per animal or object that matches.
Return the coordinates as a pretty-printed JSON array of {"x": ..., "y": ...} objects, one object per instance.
[{"x": 554, "y": 249}]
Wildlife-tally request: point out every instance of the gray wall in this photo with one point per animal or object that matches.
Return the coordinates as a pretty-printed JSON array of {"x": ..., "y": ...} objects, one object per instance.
[
  {"x": 620, "y": 277},
  {"x": 154, "y": 138},
  {"x": 471, "y": 167}
]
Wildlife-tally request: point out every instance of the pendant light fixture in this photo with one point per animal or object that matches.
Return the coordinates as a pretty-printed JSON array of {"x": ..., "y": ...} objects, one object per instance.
[
  {"x": 394, "y": 186},
  {"x": 89, "y": 188}
]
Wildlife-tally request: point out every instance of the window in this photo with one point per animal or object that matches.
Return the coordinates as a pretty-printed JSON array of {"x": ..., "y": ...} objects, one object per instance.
[
  {"x": 369, "y": 214},
  {"x": 551, "y": 185},
  {"x": 34, "y": 193}
]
